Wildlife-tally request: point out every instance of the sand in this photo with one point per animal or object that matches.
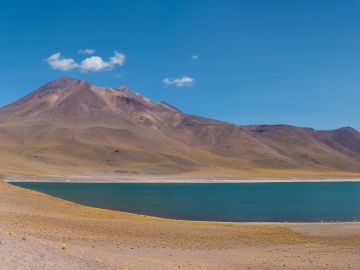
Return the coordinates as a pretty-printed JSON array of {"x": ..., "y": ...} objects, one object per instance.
[
  {"x": 41, "y": 232},
  {"x": 114, "y": 178}
]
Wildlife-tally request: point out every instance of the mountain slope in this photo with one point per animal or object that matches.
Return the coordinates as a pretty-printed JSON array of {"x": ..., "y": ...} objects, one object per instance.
[{"x": 72, "y": 126}]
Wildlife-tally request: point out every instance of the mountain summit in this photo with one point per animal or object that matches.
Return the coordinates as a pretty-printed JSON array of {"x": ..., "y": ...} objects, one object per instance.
[
  {"x": 71, "y": 126},
  {"x": 68, "y": 100}
]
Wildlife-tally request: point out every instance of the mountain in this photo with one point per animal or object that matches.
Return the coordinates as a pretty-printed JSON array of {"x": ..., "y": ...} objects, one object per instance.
[{"x": 71, "y": 126}]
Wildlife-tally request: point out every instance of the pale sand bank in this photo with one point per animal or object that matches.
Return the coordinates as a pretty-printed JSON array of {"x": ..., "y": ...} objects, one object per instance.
[
  {"x": 111, "y": 178},
  {"x": 64, "y": 235}
]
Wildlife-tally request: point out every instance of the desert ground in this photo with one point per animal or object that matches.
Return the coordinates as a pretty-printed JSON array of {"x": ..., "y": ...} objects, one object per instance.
[{"x": 41, "y": 232}]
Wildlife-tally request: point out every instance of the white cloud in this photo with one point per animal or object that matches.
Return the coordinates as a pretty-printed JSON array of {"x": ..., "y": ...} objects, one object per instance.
[
  {"x": 92, "y": 63},
  {"x": 86, "y": 51},
  {"x": 56, "y": 61},
  {"x": 194, "y": 57},
  {"x": 179, "y": 82}
]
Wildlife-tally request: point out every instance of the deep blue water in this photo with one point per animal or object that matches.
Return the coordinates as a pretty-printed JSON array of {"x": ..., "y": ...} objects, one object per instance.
[{"x": 336, "y": 201}]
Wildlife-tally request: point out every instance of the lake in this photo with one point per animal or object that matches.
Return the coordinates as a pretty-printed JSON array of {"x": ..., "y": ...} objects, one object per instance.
[{"x": 327, "y": 201}]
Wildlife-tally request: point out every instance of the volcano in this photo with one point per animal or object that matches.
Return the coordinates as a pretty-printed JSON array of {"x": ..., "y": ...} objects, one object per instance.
[{"x": 71, "y": 126}]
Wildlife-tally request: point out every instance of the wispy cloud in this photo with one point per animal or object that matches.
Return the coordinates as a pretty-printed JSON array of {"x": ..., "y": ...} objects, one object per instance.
[
  {"x": 179, "y": 82},
  {"x": 86, "y": 51},
  {"x": 195, "y": 57},
  {"x": 92, "y": 63},
  {"x": 117, "y": 59}
]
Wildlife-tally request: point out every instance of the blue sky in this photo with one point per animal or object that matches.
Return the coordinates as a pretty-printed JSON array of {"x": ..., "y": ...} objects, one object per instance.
[{"x": 258, "y": 62}]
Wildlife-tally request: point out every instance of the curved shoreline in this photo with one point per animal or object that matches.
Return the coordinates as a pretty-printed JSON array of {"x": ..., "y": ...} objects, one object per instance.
[
  {"x": 135, "y": 215},
  {"x": 273, "y": 223}
]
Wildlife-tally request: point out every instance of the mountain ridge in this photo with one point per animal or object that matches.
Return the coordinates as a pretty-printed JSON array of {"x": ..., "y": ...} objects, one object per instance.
[{"x": 69, "y": 125}]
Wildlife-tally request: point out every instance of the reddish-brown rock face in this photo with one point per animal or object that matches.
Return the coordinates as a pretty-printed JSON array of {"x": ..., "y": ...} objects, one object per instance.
[{"x": 71, "y": 125}]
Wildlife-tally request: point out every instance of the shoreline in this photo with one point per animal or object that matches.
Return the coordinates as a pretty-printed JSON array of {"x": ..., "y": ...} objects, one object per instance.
[
  {"x": 162, "y": 180},
  {"x": 270, "y": 223},
  {"x": 275, "y": 223}
]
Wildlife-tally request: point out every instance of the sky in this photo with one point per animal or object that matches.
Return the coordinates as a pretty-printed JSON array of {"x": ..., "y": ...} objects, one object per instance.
[{"x": 241, "y": 61}]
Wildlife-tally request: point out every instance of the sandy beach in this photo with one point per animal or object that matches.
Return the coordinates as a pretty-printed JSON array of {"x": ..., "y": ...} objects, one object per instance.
[{"x": 41, "y": 232}]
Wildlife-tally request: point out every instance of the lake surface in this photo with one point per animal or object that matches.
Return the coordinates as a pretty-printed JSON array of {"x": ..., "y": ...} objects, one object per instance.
[{"x": 335, "y": 201}]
